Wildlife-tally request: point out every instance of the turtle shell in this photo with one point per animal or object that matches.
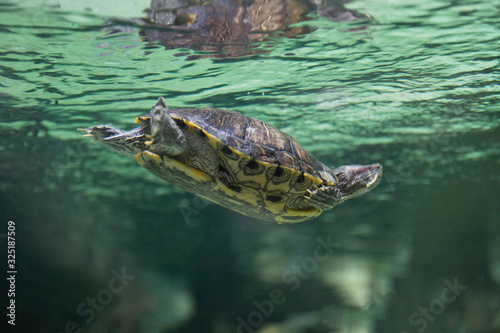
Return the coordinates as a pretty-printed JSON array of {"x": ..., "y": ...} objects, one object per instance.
[{"x": 241, "y": 163}]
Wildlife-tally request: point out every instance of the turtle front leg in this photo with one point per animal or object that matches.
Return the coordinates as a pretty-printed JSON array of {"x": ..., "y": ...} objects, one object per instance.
[
  {"x": 166, "y": 137},
  {"x": 324, "y": 197}
]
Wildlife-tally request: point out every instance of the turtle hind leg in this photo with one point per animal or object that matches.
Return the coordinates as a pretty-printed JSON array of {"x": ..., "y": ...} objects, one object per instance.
[
  {"x": 166, "y": 136},
  {"x": 100, "y": 132}
]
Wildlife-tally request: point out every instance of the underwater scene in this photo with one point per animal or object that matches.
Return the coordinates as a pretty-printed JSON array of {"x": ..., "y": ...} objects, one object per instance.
[{"x": 354, "y": 186}]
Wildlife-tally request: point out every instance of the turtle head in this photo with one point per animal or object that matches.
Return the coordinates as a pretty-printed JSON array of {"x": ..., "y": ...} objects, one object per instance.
[
  {"x": 351, "y": 181},
  {"x": 354, "y": 180}
]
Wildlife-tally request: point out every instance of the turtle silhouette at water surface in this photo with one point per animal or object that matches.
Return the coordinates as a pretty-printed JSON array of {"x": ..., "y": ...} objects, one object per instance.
[
  {"x": 230, "y": 27},
  {"x": 237, "y": 162}
]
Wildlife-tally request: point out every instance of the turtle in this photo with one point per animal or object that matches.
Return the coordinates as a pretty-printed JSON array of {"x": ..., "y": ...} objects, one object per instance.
[
  {"x": 238, "y": 162},
  {"x": 233, "y": 28}
]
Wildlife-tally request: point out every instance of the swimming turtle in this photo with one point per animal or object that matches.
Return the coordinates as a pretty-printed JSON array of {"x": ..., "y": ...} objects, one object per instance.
[
  {"x": 238, "y": 162},
  {"x": 232, "y": 28}
]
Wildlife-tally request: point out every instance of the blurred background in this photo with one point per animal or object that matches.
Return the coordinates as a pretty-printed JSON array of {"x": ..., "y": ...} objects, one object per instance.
[{"x": 104, "y": 246}]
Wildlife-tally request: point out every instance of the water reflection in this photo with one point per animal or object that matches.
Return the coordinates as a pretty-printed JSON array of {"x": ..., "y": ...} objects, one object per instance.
[{"x": 232, "y": 28}]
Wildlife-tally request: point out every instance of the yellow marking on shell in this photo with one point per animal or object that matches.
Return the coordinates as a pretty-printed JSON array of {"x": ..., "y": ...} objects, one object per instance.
[
  {"x": 261, "y": 178},
  {"x": 255, "y": 196},
  {"x": 239, "y": 203},
  {"x": 329, "y": 178},
  {"x": 278, "y": 187},
  {"x": 276, "y": 207},
  {"x": 312, "y": 181},
  {"x": 141, "y": 120},
  {"x": 247, "y": 195},
  {"x": 306, "y": 214},
  {"x": 171, "y": 163},
  {"x": 141, "y": 157},
  {"x": 215, "y": 143},
  {"x": 212, "y": 140},
  {"x": 209, "y": 199},
  {"x": 303, "y": 212}
]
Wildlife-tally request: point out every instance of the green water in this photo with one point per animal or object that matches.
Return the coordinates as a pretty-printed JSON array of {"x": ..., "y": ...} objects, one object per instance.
[{"x": 413, "y": 87}]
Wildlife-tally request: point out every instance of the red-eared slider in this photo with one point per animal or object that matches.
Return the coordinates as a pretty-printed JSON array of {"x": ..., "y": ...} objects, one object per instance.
[
  {"x": 229, "y": 28},
  {"x": 238, "y": 162}
]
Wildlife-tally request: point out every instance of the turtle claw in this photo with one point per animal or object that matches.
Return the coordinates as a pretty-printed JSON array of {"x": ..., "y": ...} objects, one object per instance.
[
  {"x": 311, "y": 193},
  {"x": 150, "y": 141},
  {"x": 87, "y": 132},
  {"x": 323, "y": 198}
]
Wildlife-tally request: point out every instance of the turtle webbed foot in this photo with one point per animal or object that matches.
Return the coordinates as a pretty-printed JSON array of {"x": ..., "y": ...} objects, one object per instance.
[
  {"x": 166, "y": 136},
  {"x": 324, "y": 197}
]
